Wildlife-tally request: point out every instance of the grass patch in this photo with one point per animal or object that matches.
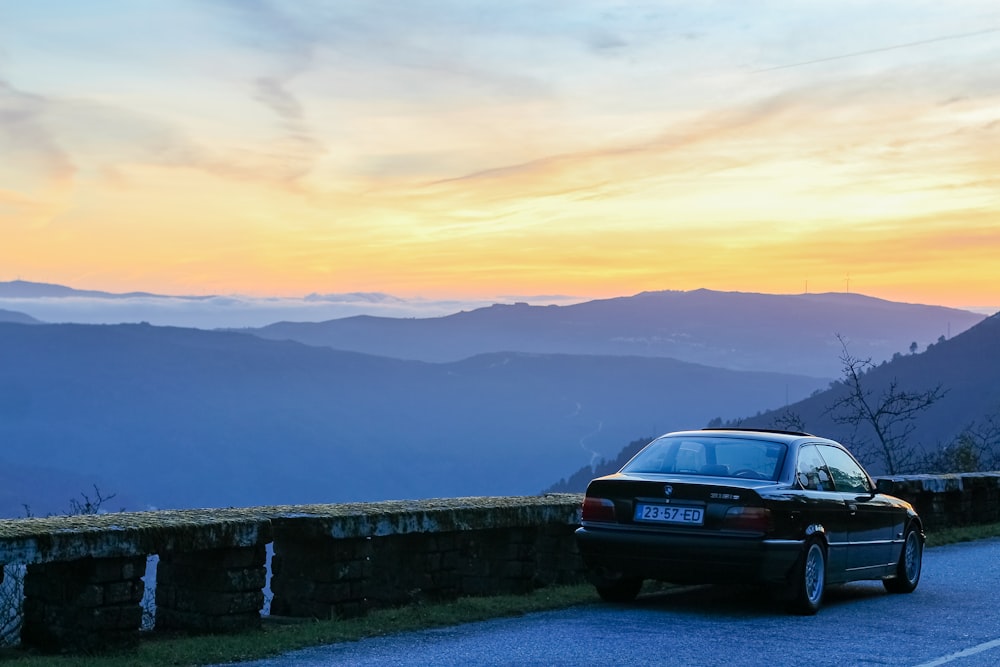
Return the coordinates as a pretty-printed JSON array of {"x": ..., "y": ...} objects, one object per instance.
[
  {"x": 276, "y": 638},
  {"x": 941, "y": 536}
]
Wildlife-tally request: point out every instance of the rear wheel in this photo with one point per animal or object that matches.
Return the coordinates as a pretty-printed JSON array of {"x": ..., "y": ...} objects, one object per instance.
[
  {"x": 617, "y": 588},
  {"x": 910, "y": 562},
  {"x": 809, "y": 581}
]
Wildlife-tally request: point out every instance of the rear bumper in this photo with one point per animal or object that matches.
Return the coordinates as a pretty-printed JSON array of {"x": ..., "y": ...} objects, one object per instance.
[{"x": 686, "y": 558}]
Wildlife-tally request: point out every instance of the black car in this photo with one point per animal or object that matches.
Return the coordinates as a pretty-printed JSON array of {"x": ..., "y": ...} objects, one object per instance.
[{"x": 785, "y": 509}]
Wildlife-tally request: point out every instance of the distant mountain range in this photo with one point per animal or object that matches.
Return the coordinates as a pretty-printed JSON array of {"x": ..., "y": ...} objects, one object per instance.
[
  {"x": 15, "y": 316},
  {"x": 23, "y": 289},
  {"x": 497, "y": 400},
  {"x": 741, "y": 331},
  {"x": 967, "y": 367},
  {"x": 764, "y": 332},
  {"x": 172, "y": 417},
  {"x": 59, "y": 304}
]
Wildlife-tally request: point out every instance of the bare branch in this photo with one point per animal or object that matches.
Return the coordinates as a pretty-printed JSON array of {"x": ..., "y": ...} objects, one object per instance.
[{"x": 890, "y": 415}]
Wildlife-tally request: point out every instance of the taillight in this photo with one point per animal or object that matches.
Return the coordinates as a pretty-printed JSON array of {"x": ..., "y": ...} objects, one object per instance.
[
  {"x": 598, "y": 509},
  {"x": 748, "y": 518}
]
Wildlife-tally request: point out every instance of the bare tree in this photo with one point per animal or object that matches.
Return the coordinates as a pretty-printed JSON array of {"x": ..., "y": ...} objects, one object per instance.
[
  {"x": 985, "y": 436},
  {"x": 890, "y": 415},
  {"x": 789, "y": 420},
  {"x": 975, "y": 449},
  {"x": 11, "y": 604},
  {"x": 12, "y": 583},
  {"x": 90, "y": 505}
]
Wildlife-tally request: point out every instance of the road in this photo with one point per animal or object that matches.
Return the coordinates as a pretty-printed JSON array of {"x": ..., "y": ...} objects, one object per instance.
[{"x": 951, "y": 619}]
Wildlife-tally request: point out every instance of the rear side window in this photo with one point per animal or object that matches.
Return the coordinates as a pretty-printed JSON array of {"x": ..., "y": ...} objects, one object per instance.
[
  {"x": 848, "y": 476},
  {"x": 712, "y": 456},
  {"x": 811, "y": 471}
]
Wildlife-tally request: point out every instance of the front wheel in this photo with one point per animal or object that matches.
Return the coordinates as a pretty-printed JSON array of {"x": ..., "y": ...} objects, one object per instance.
[
  {"x": 809, "y": 580},
  {"x": 909, "y": 566}
]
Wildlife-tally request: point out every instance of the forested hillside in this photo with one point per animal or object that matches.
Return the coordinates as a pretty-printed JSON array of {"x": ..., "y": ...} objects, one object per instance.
[{"x": 967, "y": 413}]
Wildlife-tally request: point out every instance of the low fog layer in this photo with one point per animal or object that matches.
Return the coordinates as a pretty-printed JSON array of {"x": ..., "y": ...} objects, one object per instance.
[{"x": 217, "y": 312}]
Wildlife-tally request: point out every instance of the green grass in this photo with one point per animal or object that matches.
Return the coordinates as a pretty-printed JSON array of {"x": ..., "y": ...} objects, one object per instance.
[
  {"x": 942, "y": 536},
  {"x": 275, "y": 638}
]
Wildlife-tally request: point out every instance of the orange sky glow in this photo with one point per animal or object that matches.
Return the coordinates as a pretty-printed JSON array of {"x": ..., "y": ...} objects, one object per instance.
[{"x": 586, "y": 148}]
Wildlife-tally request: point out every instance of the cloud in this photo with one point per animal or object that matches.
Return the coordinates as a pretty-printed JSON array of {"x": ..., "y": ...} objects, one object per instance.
[
  {"x": 236, "y": 311},
  {"x": 601, "y": 40},
  {"x": 23, "y": 130},
  {"x": 274, "y": 29},
  {"x": 37, "y": 170},
  {"x": 60, "y": 138},
  {"x": 274, "y": 95},
  {"x": 289, "y": 43},
  {"x": 857, "y": 130}
]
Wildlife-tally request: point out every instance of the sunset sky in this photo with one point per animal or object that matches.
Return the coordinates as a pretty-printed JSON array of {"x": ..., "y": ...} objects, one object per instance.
[{"x": 469, "y": 149}]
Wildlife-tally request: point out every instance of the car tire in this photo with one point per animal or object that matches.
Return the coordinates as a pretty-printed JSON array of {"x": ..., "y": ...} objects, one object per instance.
[
  {"x": 618, "y": 589},
  {"x": 910, "y": 563},
  {"x": 809, "y": 579}
]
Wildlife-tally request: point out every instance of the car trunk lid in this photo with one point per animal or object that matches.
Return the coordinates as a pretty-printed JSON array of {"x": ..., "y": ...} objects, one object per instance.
[{"x": 674, "y": 502}]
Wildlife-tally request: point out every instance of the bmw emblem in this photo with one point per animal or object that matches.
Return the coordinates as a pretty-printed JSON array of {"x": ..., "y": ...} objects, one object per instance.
[{"x": 668, "y": 489}]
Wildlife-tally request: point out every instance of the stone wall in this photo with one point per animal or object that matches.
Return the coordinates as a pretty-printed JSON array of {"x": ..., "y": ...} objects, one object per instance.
[
  {"x": 342, "y": 577},
  {"x": 84, "y": 573},
  {"x": 959, "y": 499}
]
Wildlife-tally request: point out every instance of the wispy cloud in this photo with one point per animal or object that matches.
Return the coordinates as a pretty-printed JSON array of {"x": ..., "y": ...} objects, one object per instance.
[
  {"x": 45, "y": 170},
  {"x": 273, "y": 94},
  {"x": 882, "y": 49}
]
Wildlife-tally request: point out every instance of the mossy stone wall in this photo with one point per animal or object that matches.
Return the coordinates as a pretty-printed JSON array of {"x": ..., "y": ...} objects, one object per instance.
[
  {"x": 327, "y": 577},
  {"x": 83, "y": 582},
  {"x": 330, "y": 560}
]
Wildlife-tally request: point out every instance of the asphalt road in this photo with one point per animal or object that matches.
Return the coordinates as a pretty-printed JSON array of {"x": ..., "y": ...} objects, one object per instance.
[{"x": 953, "y": 618}]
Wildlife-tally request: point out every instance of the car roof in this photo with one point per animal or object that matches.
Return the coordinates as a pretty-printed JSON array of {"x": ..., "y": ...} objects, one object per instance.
[{"x": 763, "y": 433}]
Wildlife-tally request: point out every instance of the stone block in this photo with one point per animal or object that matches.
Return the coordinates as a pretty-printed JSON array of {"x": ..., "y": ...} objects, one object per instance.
[
  {"x": 113, "y": 617},
  {"x": 121, "y": 592},
  {"x": 230, "y": 558},
  {"x": 213, "y": 603},
  {"x": 204, "y": 578},
  {"x": 83, "y": 604}
]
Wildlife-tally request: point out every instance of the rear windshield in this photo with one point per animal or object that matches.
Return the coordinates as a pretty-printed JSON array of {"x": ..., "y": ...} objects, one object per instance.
[{"x": 708, "y": 455}]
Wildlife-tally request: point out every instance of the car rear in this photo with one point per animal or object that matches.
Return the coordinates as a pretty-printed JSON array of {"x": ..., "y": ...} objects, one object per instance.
[{"x": 697, "y": 529}]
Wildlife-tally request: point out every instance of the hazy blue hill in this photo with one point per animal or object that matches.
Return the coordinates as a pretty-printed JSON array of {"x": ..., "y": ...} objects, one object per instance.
[
  {"x": 176, "y": 417},
  {"x": 743, "y": 331},
  {"x": 15, "y": 316},
  {"x": 23, "y": 289},
  {"x": 967, "y": 366}
]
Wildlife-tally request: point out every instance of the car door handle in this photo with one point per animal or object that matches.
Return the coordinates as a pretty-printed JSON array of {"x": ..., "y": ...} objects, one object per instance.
[{"x": 853, "y": 508}]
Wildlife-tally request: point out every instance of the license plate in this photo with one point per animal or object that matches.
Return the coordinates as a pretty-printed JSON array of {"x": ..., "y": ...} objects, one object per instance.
[{"x": 693, "y": 516}]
